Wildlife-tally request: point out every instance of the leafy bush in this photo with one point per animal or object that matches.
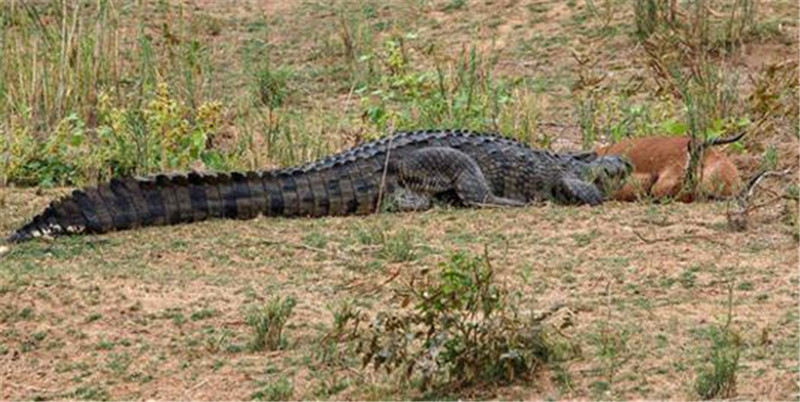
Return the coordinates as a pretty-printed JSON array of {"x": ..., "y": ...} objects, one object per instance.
[
  {"x": 75, "y": 109},
  {"x": 461, "y": 329},
  {"x": 462, "y": 94},
  {"x": 55, "y": 160},
  {"x": 163, "y": 135}
]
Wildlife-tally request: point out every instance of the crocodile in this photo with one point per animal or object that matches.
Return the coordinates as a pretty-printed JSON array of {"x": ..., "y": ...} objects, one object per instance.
[{"x": 404, "y": 172}]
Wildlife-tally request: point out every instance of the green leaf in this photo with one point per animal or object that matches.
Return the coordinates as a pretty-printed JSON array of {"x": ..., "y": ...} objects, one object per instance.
[
  {"x": 77, "y": 138},
  {"x": 743, "y": 122},
  {"x": 198, "y": 138},
  {"x": 675, "y": 128},
  {"x": 717, "y": 126}
]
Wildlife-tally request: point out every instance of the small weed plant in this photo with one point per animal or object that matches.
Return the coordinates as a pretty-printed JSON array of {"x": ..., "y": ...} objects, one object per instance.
[
  {"x": 717, "y": 378},
  {"x": 268, "y": 322},
  {"x": 337, "y": 346},
  {"x": 280, "y": 390}
]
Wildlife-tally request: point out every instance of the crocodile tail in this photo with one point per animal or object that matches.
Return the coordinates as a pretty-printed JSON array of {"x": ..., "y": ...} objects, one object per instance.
[{"x": 128, "y": 203}]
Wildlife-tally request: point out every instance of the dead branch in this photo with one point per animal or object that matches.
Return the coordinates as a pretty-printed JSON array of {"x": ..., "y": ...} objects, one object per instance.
[
  {"x": 738, "y": 217},
  {"x": 748, "y": 191},
  {"x": 331, "y": 254},
  {"x": 375, "y": 288}
]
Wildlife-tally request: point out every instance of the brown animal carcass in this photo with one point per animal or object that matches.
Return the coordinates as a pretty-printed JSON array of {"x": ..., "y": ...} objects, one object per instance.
[{"x": 660, "y": 164}]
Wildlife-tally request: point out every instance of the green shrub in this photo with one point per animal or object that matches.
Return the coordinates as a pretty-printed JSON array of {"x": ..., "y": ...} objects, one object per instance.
[
  {"x": 717, "y": 376},
  {"x": 461, "y": 329},
  {"x": 163, "y": 135},
  {"x": 73, "y": 112},
  {"x": 271, "y": 87},
  {"x": 461, "y": 94}
]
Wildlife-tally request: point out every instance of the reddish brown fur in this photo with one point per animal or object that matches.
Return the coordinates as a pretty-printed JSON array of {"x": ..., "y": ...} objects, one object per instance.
[{"x": 660, "y": 167}]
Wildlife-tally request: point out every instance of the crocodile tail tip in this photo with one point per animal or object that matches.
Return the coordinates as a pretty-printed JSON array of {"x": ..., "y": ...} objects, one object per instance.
[{"x": 18, "y": 237}]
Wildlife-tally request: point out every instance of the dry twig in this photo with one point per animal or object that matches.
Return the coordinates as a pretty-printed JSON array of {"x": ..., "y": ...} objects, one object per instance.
[
  {"x": 682, "y": 237},
  {"x": 738, "y": 217}
]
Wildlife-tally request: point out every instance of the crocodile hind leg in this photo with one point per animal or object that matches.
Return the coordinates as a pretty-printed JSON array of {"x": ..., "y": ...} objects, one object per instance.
[{"x": 436, "y": 170}]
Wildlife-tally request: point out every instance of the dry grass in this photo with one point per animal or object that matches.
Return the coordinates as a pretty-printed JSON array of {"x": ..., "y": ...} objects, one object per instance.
[{"x": 160, "y": 313}]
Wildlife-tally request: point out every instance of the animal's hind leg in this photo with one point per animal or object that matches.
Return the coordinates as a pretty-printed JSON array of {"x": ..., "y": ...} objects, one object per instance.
[
  {"x": 436, "y": 170},
  {"x": 720, "y": 179},
  {"x": 669, "y": 184}
]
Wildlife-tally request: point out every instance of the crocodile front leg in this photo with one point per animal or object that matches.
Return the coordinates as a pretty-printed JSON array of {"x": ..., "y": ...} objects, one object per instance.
[
  {"x": 436, "y": 170},
  {"x": 576, "y": 191}
]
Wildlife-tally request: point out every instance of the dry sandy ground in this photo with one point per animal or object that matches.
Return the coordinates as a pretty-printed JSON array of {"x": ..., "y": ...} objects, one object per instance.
[{"x": 159, "y": 313}]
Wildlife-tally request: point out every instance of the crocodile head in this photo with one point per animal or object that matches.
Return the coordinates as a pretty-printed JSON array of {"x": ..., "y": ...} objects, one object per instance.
[{"x": 608, "y": 173}]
